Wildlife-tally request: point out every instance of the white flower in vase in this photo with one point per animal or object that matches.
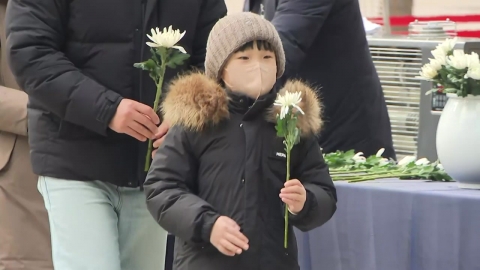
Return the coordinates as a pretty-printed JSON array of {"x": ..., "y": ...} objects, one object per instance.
[
  {"x": 428, "y": 72},
  {"x": 447, "y": 46},
  {"x": 459, "y": 60},
  {"x": 440, "y": 56},
  {"x": 473, "y": 60},
  {"x": 168, "y": 38},
  {"x": 474, "y": 73},
  {"x": 436, "y": 64}
]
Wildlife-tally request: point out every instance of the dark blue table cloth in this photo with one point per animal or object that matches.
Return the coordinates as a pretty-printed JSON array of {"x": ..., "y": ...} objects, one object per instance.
[{"x": 397, "y": 225}]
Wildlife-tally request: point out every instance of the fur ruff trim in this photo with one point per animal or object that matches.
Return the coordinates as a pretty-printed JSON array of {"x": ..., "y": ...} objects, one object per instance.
[{"x": 196, "y": 101}]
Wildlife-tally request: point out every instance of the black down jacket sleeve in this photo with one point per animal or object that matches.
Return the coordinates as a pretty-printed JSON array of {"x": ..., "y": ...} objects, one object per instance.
[
  {"x": 170, "y": 187},
  {"x": 313, "y": 172},
  {"x": 298, "y": 22},
  {"x": 211, "y": 12},
  {"x": 36, "y": 32}
]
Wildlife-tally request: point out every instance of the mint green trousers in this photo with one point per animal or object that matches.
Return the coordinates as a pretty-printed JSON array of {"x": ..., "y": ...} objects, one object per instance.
[{"x": 99, "y": 226}]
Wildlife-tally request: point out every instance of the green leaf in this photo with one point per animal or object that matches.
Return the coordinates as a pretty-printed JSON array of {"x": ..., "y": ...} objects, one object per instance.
[
  {"x": 177, "y": 58},
  {"x": 291, "y": 125},
  {"x": 451, "y": 90},
  {"x": 456, "y": 72},
  {"x": 162, "y": 52},
  {"x": 349, "y": 154},
  {"x": 148, "y": 65},
  {"x": 431, "y": 91},
  {"x": 156, "y": 56},
  {"x": 297, "y": 135},
  {"x": 281, "y": 127},
  {"x": 474, "y": 87},
  {"x": 443, "y": 73}
]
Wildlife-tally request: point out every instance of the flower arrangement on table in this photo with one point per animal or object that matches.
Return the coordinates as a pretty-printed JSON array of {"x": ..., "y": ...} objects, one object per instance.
[
  {"x": 354, "y": 167},
  {"x": 453, "y": 71},
  {"x": 165, "y": 53},
  {"x": 457, "y": 74}
]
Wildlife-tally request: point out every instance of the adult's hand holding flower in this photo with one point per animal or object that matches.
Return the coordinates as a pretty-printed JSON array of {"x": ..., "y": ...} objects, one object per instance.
[{"x": 165, "y": 53}]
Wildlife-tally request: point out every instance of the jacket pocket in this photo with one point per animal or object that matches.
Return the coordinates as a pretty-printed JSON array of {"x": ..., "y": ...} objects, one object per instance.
[{"x": 277, "y": 162}]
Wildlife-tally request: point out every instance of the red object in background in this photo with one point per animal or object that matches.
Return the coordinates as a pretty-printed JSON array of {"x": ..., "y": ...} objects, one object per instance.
[{"x": 405, "y": 20}]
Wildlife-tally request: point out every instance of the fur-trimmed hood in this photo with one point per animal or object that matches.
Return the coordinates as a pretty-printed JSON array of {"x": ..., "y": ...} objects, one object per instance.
[{"x": 196, "y": 101}]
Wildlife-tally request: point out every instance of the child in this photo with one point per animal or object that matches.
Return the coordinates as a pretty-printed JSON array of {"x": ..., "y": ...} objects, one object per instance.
[{"x": 218, "y": 180}]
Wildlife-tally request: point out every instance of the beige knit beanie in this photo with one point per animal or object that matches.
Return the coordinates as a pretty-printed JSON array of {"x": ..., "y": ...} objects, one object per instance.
[{"x": 232, "y": 32}]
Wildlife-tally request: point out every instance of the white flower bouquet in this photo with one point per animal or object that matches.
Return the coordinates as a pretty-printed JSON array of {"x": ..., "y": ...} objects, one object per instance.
[
  {"x": 354, "y": 167},
  {"x": 165, "y": 53},
  {"x": 453, "y": 71}
]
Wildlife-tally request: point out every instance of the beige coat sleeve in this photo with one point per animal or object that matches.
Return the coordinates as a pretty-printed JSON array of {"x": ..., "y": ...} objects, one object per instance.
[{"x": 13, "y": 111}]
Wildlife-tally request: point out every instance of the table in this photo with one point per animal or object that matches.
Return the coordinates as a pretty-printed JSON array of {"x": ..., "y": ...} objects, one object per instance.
[{"x": 396, "y": 224}]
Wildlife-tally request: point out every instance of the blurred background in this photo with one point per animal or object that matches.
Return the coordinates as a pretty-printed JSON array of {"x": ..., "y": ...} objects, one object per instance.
[
  {"x": 401, "y": 49},
  {"x": 466, "y": 13}
]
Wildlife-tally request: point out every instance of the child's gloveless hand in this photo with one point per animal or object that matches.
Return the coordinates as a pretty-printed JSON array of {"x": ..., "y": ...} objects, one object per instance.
[
  {"x": 294, "y": 195},
  {"x": 227, "y": 238}
]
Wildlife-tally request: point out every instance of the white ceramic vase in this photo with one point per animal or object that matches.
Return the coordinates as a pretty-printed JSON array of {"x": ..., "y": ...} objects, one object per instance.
[{"x": 458, "y": 140}]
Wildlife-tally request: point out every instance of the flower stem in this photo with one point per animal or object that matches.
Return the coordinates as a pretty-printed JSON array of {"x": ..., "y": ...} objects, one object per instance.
[
  {"x": 156, "y": 106},
  {"x": 346, "y": 171},
  {"x": 285, "y": 239},
  {"x": 369, "y": 177},
  {"x": 354, "y": 174},
  {"x": 347, "y": 175},
  {"x": 380, "y": 176}
]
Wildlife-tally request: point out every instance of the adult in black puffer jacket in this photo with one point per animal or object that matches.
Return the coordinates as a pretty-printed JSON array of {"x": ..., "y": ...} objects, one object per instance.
[
  {"x": 325, "y": 45},
  {"x": 75, "y": 61}
]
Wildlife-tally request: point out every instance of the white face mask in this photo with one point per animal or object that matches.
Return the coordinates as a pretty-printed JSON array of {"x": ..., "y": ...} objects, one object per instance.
[{"x": 251, "y": 72}]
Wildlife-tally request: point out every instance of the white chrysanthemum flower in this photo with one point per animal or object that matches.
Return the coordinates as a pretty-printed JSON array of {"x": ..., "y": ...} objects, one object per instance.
[
  {"x": 422, "y": 161},
  {"x": 440, "y": 56},
  {"x": 428, "y": 72},
  {"x": 288, "y": 100},
  {"x": 436, "y": 64},
  {"x": 383, "y": 162},
  {"x": 474, "y": 73},
  {"x": 359, "y": 158},
  {"x": 472, "y": 60},
  {"x": 168, "y": 38},
  {"x": 459, "y": 60},
  {"x": 380, "y": 152},
  {"x": 447, "y": 46},
  {"x": 406, "y": 160}
]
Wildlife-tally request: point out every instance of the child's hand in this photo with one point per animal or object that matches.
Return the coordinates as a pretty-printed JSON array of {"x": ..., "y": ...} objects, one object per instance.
[
  {"x": 160, "y": 136},
  {"x": 227, "y": 238},
  {"x": 294, "y": 195}
]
